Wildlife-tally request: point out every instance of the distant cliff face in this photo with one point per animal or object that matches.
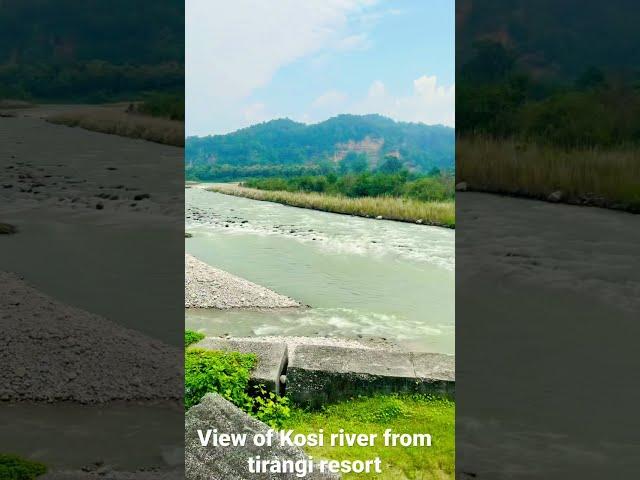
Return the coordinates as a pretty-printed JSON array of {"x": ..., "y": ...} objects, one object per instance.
[
  {"x": 371, "y": 147},
  {"x": 284, "y": 143}
]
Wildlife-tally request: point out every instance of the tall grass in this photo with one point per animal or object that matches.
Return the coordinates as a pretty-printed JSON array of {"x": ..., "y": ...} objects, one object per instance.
[
  {"x": 390, "y": 208},
  {"x": 115, "y": 120},
  {"x": 603, "y": 177}
]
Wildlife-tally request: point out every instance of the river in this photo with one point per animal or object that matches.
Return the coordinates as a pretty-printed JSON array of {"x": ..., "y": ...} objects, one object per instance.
[{"x": 362, "y": 278}]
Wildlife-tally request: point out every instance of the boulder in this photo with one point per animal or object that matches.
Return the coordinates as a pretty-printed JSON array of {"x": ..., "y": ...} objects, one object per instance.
[
  {"x": 556, "y": 196},
  {"x": 232, "y": 462}
]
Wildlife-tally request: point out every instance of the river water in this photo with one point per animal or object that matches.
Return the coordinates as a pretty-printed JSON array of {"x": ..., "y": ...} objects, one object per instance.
[{"x": 362, "y": 278}]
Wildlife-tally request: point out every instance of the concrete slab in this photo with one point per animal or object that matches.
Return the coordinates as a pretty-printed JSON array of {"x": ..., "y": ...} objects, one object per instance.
[
  {"x": 225, "y": 463},
  {"x": 272, "y": 359},
  {"x": 436, "y": 373},
  {"x": 318, "y": 375}
]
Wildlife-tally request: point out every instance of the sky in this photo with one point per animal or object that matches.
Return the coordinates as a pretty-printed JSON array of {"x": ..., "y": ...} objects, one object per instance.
[{"x": 250, "y": 61}]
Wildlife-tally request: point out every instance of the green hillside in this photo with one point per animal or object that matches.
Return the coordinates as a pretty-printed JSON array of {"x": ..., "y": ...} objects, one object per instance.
[
  {"x": 90, "y": 51},
  {"x": 287, "y": 148}
]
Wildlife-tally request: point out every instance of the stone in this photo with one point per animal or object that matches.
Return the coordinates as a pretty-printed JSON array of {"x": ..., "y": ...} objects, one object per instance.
[
  {"x": 272, "y": 359},
  {"x": 556, "y": 196},
  {"x": 461, "y": 187},
  {"x": 7, "y": 229},
  {"x": 225, "y": 463},
  {"x": 319, "y": 375}
]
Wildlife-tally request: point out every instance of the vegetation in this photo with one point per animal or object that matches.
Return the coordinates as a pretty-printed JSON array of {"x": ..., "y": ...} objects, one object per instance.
[
  {"x": 117, "y": 120},
  {"x": 13, "y": 467},
  {"x": 227, "y": 373},
  {"x": 436, "y": 187},
  {"x": 164, "y": 105},
  {"x": 391, "y": 208},
  {"x": 191, "y": 337},
  {"x": 402, "y": 414},
  {"x": 286, "y": 148},
  {"x": 534, "y": 135},
  {"x": 590, "y": 176},
  {"x": 92, "y": 51}
]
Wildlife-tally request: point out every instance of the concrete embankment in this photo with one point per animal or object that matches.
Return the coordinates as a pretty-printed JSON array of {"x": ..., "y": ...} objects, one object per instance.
[
  {"x": 315, "y": 375},
  {"x": 209, "y": 287}
]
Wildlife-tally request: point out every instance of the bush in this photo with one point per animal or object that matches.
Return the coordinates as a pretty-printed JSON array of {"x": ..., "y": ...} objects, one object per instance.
[
  {"x": 192, "y": 337},
  {"x": 227, "y": 373},
  {"x": 13, "y": 467}
]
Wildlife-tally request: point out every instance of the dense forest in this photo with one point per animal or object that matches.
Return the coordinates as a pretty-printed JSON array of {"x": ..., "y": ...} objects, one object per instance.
[
  {"x": 90, "y": 51},
  {"x": 346, "y": 143},
  {"x": 514, "y": 82}
]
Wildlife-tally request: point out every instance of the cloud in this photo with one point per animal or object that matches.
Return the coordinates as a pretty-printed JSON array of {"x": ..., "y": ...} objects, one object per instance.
[
  {"x": 233, "y": 48},
  {"x": 256, "y": 113},
  {"x": 330, "y": 99},
  {"x": 429, "y": 102},
  {"x": 360, "y": 41}
]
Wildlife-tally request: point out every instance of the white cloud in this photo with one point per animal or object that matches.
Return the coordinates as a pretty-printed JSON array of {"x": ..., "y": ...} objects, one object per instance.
[
  {"x": 233, "y": 48},
  {"x": 429, "y": 102},
  {"x": 330, "y": 99},
  {"x": 360, "y": 41},
  {"x": 256, "y": 113}
]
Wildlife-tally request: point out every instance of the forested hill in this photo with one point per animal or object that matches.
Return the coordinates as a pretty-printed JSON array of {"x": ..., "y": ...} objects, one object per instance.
[
  {"x": 284, "y": 147},
  {"x": 91, "y": 50}
]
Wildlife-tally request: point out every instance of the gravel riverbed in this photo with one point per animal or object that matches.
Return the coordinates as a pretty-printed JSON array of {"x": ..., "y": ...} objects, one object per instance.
[
  {"x": 209, "y": 287},
  {"x": 50, "y": 352}
]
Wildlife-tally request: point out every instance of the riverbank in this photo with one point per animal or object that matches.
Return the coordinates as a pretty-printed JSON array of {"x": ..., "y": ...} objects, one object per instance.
[
  {"x": 441, "y": 214},
  {"x": 590, "y": 177},
  {"x": 209, "y": 287},
  {"x": 53, "y": 352},
  {"x": 117, "y": 119}
]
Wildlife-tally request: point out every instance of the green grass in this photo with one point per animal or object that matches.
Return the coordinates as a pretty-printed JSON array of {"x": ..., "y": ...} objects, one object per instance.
[
  {"x": 402, "y": 414},
  {"x": 13, "y": 467},
  {"x": 390, "y": 208},
  {"x": 192, "y": 337},
  {"x": 606, "y": 177}
]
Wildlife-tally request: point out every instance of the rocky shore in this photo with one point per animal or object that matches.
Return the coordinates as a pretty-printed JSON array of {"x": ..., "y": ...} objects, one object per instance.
[{"x": 209, "y": 287}]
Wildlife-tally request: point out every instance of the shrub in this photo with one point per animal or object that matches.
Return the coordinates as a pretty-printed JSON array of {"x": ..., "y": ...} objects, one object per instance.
[
  {"x": 191, "y": 337},
  {"x": 13, "y": 467},
  {"x": 227, "y": 373}
]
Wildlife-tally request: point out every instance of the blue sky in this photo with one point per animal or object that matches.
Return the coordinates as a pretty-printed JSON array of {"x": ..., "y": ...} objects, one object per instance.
[{"x": 249, "y": 61}]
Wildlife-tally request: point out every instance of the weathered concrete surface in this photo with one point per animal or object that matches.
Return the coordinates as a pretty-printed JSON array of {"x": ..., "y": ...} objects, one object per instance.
[
  {"x": 231, "y": 463},
  {"x": 272, "y": 359},
  {"x": 319, "y": 375}
]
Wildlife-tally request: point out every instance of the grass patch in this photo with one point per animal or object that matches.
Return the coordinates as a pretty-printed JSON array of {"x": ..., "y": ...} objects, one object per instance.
[
  {"x": 390, "y": 208},
  {"x": 192, "y": 337},
  {"x": 14, "y": 467},
  {"x": 593, "y": 176},
  {"x": 402, "y": 414},
  {"x": 116, "y": 120},
  {"x": 227, "y": 373}
]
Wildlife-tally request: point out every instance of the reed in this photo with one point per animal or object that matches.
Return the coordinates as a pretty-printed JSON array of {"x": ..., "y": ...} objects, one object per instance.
[
  {"x": 389, "y": 208},
  {"x": 117, "y": 121},
  {"x": 602, "y": 177}
]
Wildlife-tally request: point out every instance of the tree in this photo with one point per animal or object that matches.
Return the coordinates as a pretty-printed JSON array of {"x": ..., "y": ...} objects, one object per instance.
[
  {"x": 354, "y": 163},
  {"x": 391, "y": 165}
]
